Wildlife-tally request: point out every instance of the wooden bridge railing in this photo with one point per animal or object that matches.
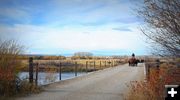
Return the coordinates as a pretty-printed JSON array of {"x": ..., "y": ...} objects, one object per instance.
[{"x": 35, "y": 67}]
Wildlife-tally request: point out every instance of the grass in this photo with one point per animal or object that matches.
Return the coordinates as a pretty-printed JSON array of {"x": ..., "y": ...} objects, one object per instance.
[{"x": 69, "y": 65}]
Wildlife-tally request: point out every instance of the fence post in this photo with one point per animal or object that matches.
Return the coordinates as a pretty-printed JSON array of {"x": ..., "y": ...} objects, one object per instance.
[
  {"x": 110, "y": 64},
  {"x": 157, "y": 67},
  {"x": 31, "y": 70},
  {"x": 60, "y": 70},
  {"x": 113, "y": 63},
  {"x": 105, "y": 63},
  {"x": 86, "y": 66},
  {"x": 75, "y": 68},
  {"x": 147, "y": 71},
  {"x": 100, "y": 64},
  {"x": 37, "y": 70},
  {"x": 94, "y": 65}
]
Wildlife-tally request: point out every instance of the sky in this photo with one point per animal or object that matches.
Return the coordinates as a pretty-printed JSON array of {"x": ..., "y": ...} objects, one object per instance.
[{"x": 63, "y": 27}]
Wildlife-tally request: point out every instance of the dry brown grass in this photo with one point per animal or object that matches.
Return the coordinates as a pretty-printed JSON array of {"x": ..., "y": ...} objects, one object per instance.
[
  {"x": 153, "y": 89},
  {"x": 68, "y": 65}
]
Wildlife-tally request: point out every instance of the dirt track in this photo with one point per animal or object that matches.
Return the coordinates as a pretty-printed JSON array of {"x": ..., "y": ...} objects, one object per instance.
[{"x": 108, "y": 84}]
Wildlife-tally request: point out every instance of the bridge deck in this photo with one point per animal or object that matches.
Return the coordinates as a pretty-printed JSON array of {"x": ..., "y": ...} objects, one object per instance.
[{"x": 108, "y": 84}]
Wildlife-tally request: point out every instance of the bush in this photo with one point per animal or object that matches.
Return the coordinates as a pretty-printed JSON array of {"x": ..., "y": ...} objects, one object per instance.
[
  {"x": 9, "y": 51},
  {"x": 10, "y": 84}
]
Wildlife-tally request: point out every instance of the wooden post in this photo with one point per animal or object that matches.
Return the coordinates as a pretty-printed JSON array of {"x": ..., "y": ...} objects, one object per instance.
[
  {"x": 94, "y": 66},
  {"x": 75, "y": 68},
  {"x": 100, "y": 64},
  {"x": 110, "y": 63},
  {"x": 86, "y": 66},
  {"x": 113, "y": 63},
  {"x": 37, "y": 70},
  {"x": 147, "y": 71},
  {"x": 31, "y": 70},
  {"x": 105, "y": 63},
  {"x": 60, "y": 71},
  {"x": 157, "y": 67}
]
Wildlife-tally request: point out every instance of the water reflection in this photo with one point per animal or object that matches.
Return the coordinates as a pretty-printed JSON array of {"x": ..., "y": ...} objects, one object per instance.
[{"x": 47, "y": 77}]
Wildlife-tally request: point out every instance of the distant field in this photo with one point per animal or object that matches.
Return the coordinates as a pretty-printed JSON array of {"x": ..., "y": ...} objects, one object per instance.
[{"x": 69, "y": 65}]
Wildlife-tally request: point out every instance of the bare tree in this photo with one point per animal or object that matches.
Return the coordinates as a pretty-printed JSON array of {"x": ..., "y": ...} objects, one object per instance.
[
  {"x": 162, "y": 18},
  {"x": 9, "y": 51}
]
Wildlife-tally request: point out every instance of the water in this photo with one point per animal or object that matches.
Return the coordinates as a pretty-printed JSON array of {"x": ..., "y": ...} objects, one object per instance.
[{"x": 47, "y": 78}]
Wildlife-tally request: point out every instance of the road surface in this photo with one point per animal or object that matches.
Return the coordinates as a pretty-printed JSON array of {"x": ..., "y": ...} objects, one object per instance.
[{"x": 107, "y": 84}]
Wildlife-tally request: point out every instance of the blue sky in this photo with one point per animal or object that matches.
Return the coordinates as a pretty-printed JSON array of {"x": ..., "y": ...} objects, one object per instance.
[{"x": 103, "y": 27}]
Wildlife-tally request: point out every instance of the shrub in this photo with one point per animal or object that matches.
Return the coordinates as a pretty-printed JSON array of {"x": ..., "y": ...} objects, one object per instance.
[
  {"x": 9, "y": 51},
  {"x": 10, "y": 84}
]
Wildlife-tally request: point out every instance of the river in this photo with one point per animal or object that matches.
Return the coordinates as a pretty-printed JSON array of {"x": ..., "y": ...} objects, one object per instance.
[{"x": 47, "y": 78}]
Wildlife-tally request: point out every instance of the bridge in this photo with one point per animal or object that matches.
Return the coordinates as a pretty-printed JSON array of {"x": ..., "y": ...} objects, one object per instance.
[{"x": 107, "y": 84}]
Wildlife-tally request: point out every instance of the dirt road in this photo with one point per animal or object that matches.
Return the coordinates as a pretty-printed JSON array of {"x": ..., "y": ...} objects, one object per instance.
[{"x": 108, "y": 84}]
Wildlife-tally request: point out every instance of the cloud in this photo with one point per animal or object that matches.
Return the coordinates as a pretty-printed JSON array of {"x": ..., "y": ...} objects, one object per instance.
[
  {"x": 63, "y": 12},
  {"x": 122, "y": 29},
  {"x": 13, "y": 15},
  {"x": 71, "y": 25},
  {"x": 90, "y": 12},
  {"x": 43, "y": 37}
]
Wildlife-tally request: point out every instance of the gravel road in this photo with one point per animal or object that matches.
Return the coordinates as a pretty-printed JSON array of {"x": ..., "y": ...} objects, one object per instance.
[{"x": 107, "y": 84}]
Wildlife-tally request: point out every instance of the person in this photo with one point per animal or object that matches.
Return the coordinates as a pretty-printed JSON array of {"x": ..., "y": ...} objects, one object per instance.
[{"x": 133, "y": 55}]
